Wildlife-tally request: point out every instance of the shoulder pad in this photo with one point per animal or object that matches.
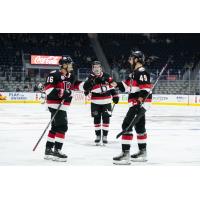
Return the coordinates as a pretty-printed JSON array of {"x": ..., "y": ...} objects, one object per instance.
[{"x": 141, "y": 69}]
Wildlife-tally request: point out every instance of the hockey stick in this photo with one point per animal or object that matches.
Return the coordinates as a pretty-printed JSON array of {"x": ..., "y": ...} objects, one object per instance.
[
  {"x": 142, "y": 111},
  {"x": 48, "y": 125},
  {"x": 113, "y": 108}
]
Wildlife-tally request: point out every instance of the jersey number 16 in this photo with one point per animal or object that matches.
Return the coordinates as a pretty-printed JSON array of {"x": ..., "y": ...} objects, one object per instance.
[{"x": 50, "y": 79}]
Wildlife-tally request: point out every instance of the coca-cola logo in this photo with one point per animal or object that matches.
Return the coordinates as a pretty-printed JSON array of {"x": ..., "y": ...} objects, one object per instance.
[{"x": 45, "y": 60}]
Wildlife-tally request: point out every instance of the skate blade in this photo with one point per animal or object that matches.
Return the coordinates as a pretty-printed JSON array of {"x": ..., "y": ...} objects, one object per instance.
[
  {"x": 139, "y": 159},
  {"x": 48, "y": 157},
  {"x": 125, "y": 162},
  {"x": 59, "y": 159},
  {"x": 98, "y": 144}
]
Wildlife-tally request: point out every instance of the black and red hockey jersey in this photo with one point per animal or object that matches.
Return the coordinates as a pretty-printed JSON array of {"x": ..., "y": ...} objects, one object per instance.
[
  {"x": 100, "y": 88},
  {"x": 137, "y": 85},
  {"x": 57, "y": 81}
]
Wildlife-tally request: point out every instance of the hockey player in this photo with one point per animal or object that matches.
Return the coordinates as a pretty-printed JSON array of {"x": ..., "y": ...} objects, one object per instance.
[
  {"x": 138, "y": 85},
  {"x": 102, "y": 93},
  {"x": 43, "y": 94},
  {"x": 58, "y": 86}
]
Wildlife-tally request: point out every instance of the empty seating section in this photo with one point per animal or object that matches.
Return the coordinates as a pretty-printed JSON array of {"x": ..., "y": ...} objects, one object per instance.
[
  {"x": 13, "y": 45},
  {"x": 184, "y": 48}
]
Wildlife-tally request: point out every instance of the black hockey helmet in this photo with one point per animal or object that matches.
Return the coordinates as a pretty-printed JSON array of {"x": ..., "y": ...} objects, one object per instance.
[
  {"x": 65, "y": 60},
  {"x": 139, "y": 55},
  {"x": 96, "y": 62}
]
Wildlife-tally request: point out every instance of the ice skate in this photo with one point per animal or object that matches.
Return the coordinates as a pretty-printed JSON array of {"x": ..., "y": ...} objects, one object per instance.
[
  {"x": 59, "y": 156},
  {"x": 141, "y": 156},
  {"x": 48, "y": 155},
  {"x": 104, "y": 140},
  {"x": 98, "y": 140},
  {"x": 122, "y": 159}
]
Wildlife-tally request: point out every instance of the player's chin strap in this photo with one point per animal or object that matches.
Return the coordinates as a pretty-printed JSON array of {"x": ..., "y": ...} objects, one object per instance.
[{"x": 142, "y": 109}]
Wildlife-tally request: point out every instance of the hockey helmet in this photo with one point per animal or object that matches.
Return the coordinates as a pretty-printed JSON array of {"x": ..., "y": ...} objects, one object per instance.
[
  {"x": 65, "y": 60},
  {"x": 139, "y": 55},
  {"x": 96, "y": 62}
]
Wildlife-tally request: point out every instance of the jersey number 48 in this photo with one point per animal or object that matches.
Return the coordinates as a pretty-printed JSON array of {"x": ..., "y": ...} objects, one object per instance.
[{"x": 143, "y": 78}]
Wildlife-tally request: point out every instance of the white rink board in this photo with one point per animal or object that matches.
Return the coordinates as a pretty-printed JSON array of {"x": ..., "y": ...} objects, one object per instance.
[{"x": 79, "y": 98}]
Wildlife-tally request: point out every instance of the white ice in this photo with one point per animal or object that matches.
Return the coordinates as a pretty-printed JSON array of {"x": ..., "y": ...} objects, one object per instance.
[{"x": 173, "y": 136}]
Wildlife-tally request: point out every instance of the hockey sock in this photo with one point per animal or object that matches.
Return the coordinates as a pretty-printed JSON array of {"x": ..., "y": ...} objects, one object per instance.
[
  {"x": 59, "y": 140},
  {"x": 126, "y": 141},
  {"x": 50, "y": 139},
  {"x": 98, "y": 132},
  {"x": 105, "y": 132},
  {"x": 97, "y": 126},
  {"x": 105, "y": 126},
  {"x": 142, "y": 139}
]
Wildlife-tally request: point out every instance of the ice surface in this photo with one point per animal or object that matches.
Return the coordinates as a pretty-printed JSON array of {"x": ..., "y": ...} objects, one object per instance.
[{"x": 173, "y": 136}]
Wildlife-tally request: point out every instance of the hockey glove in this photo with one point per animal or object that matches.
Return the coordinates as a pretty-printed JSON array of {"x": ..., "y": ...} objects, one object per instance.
[
  {"x": 67, "y": 94},
  {"x": 86, "y": 93},
  {"x": 115, "y": 99},
  {"x": 89, "y": 82},
  {"x": 136, "y": 106},
  {"x": 64, "y": 94}
]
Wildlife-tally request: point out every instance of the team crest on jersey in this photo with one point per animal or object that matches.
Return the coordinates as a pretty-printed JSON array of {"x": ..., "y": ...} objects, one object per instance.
[{"x": 67, "y": 84}]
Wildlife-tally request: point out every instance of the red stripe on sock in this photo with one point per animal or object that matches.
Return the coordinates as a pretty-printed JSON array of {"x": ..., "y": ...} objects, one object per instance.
[
  {"x": 127, "y": 137},
  {"x": 97, "y": 125},
  {"x": 60, "y": 135},
  {"x": 106, "y": 125},
  {"x": 142, "y": 137},
  {"x": 51, "y": 135}
]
